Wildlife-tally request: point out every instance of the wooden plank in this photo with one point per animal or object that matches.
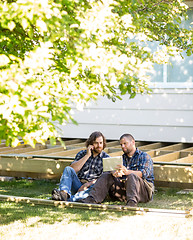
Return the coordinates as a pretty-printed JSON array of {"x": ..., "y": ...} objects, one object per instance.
[
  {"x": 73, "y": 141},
  {"x": 176, "y": 147},
  {"x": 141, "y": 143},
  {"x": 46, "y": 151},
  {"x": 152, "y": 146},
  {"x": 190, "y": 149},
  {"x": 30, "y": 165},
  {"x": 113, "y": 144},
  {"x": 101, "y": 207},
  {"x": 82, "y": 145},
  {"x": 167, "y": 157},
  {"x": 173, "y": 174},
  {"x": 25, "y": 149},
  {"x": 53, "y": 168},
  {"x": 69, "y": 144},
  {"x": 75, "y": 146},
  {"x": 188, "y": 159},
  {"x": 184, "y": 154},
  {"x": 21, "y": 146},
  {"x": 67, "y": 141},
  {"x": 115, "y": 154},
  {"x": 112, "y": 150},
  {"x": 67, "y": 152},
  {"x": 156, "y": 153},
  {"x": 33, "y": 175}
]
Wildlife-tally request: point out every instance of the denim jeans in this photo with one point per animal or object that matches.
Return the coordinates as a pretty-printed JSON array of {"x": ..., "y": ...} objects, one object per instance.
[{"x": 70, "y": 183}]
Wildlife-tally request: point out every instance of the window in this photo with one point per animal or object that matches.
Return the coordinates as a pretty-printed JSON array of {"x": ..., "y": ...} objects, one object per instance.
[{"x": 180, "y": 73}]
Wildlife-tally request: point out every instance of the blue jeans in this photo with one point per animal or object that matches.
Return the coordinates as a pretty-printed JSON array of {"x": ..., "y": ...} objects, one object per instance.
[{"x": 70, "y": 183}]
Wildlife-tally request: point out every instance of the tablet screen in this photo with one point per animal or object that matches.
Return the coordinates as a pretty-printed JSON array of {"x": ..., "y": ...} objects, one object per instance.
[{"x": 110, "y": 164}]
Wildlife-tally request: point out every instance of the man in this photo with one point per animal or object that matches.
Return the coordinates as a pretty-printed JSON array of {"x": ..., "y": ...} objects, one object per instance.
[
  {"x": 132, "y": 182},
  {"x": 79, "y": 177}
]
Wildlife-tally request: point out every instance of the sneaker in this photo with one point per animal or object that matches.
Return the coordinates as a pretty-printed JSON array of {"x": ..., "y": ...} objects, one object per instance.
[
  {"x": 64, "y": 195},
  {"x": 56, "y": 195},
  {"x": 131, "y": 203},
  {"x": 59, "y": 195},
  {"x": 89, "y": 199}
]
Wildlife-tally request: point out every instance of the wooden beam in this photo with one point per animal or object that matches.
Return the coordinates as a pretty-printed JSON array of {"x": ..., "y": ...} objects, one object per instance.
[
  {"x": 141, "y": 143},
  {"x": 167, "y": 157},
  {"x": 176, "y": 147},
  {"x": 190, "y": 149},
  {"x": 58, "y": 148},
  {"x": 67, "y": 152},
  {"x": 49, "y": 168},
  {"x": 32, "y": 175},
  {"x": 113, "y": 144},
  {"x": 73, "y": 141},
  {"x": 21, "y": 146},
  {"x": 173, "y": 174},
  {"x": 115, "y": 154},
  {"x": 101, "y": 207},
  {"x": 152, "y": 146},
  {"x": 46, "y": 151},
  {"x": 188, "y": 159},
  {"x": 29, "y": 165},
  {"x": 24, "y": 150},
  {"x": 75, "y": 146}
]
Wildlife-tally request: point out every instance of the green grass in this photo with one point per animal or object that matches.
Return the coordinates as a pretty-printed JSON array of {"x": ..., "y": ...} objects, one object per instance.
[
  {"x": 10, "y": 212},
  {"x": 19, "y": 221}
]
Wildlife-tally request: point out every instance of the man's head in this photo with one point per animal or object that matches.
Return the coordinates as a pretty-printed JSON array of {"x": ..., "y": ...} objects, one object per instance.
[
  {"x": 127, "y": 143},
  {"x": 98, "y": 140}
]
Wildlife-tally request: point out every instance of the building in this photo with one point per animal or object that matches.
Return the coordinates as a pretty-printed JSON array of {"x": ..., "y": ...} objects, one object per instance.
[{"x": 165, "y": 115}]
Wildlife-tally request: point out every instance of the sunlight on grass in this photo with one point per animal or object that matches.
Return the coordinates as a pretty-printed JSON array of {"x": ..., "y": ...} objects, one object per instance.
[{"x": 49, "y": 222}]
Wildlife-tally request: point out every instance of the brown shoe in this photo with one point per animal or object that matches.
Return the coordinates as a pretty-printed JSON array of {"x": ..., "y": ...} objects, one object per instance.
[
  {"x": 64, "y": 195},
  {"x": 59, "y": 195},
  {"x": 131, "y": 203},
  {"x": 56, "y": 194}
]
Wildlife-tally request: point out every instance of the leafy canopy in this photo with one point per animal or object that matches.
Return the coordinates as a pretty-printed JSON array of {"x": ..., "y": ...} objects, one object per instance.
[{"x": 55, "y": 54}]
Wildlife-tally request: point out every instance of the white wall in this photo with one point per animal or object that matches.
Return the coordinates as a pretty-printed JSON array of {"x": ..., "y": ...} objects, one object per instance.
[{"x": 165, "y": 115}]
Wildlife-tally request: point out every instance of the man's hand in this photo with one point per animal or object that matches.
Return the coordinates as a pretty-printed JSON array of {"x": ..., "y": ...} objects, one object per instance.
[
  {"x": 89, "y": 150},
  {"x": 121, "y": 170},
  {"x": 77, "y": 165},
  {"x": 86, "y": 185}
]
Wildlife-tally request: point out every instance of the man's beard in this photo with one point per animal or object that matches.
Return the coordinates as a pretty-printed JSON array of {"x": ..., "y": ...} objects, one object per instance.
[
  {"x": 97, "y": 150},
  {"x": 126, "y": 151}
]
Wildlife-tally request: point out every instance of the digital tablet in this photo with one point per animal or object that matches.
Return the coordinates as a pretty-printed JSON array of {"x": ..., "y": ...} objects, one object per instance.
[{"x": 110, "y": 163}]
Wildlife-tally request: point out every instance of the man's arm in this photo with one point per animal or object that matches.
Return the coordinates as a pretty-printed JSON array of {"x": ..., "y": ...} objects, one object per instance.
[
  {"x": 143, "y": 169},
  {"x": 77, "y": 165}
]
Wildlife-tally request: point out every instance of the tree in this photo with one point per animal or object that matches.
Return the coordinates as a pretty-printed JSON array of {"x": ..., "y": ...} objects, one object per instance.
[{"x": 59, "y": 53}]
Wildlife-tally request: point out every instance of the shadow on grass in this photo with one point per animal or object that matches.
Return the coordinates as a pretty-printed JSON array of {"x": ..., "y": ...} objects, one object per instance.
[{"x": 10, "y": 211}]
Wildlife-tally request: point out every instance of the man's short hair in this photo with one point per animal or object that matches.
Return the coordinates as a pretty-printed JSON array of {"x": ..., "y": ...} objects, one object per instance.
[
  {"x": 127, "y": 135},
  {"x": 93, "y": 137}
]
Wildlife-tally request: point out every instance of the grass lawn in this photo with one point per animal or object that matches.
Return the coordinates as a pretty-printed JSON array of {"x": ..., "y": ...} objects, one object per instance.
[{"x": 24, "y": 221}]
